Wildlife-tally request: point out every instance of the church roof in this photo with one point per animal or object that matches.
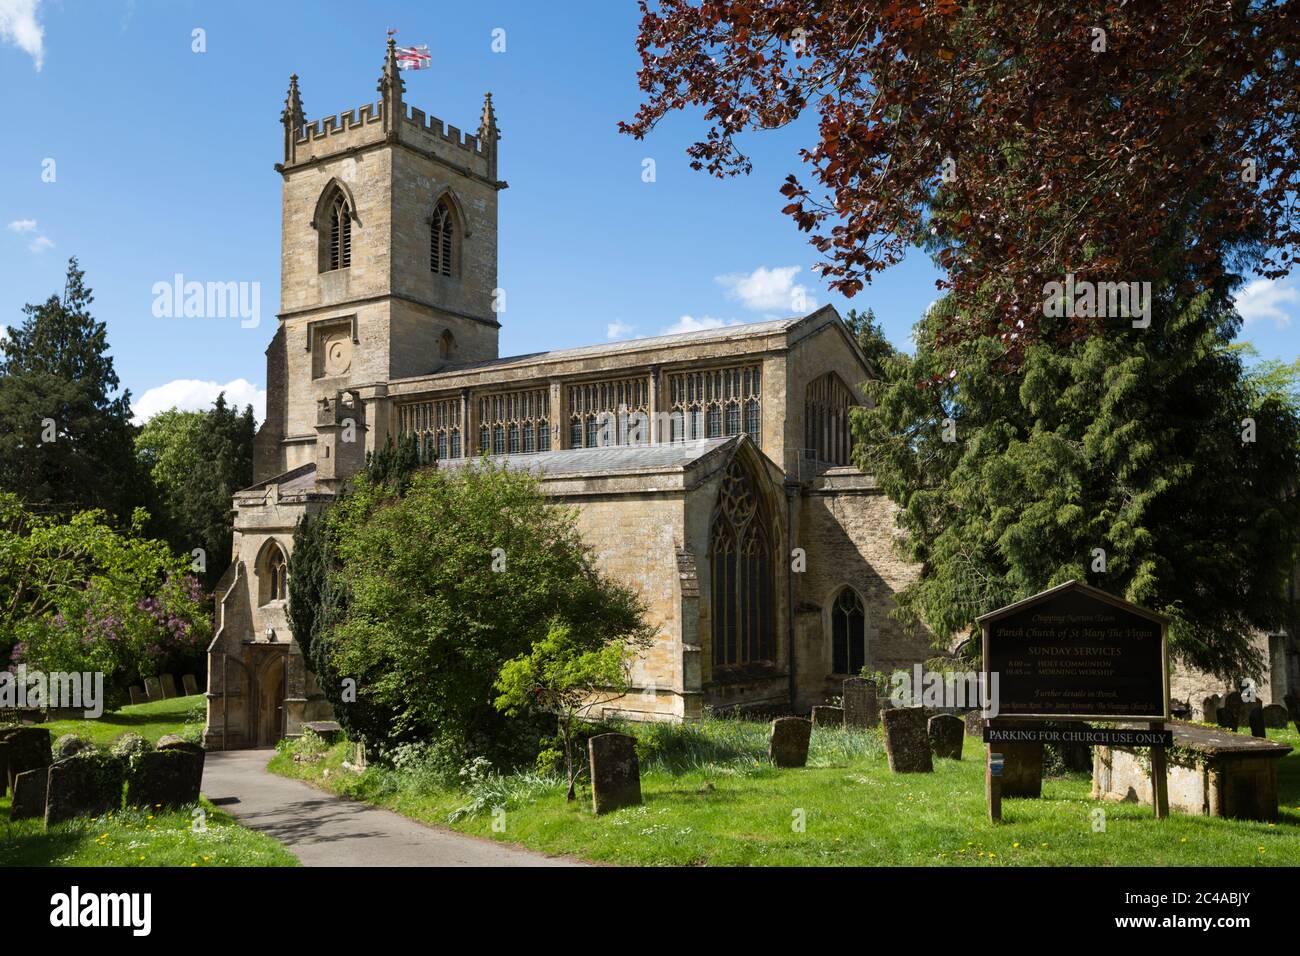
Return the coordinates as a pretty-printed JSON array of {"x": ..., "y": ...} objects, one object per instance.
[{"x": 623, "y": 459}]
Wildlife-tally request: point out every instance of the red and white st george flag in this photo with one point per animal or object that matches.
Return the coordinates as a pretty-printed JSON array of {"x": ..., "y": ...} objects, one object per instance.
[{"x": 414, "y": 57}]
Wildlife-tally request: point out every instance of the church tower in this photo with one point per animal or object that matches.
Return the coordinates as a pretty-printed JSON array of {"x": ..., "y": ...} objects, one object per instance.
[{"x": 388, "y": 261}]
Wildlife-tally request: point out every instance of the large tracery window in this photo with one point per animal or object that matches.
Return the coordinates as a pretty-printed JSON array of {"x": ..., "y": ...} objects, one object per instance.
[
  {"x": 826, "y": 420},
  {"x": 848, "y": 633},
  {"x": 714, "y": 403},
  {"x": 442, "y": 239},
  {"x": 600, "y": 413},
  {"x": 436, "y": 425},
  {"x": 740, "y": 563},
  {"x": 338, "y": 233},
  {"x": 513, "y": 423}
]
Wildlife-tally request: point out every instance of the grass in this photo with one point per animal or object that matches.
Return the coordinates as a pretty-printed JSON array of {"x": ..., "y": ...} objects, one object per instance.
[
  {"x": 177, "y": 715},
  {"x": 711, "y": 798},
  {"x": 138, "y": 837}
]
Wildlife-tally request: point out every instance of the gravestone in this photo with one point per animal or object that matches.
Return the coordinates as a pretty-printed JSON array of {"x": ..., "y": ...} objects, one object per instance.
[
  {"x": 69, "y": 745},
  {"x": 1231, "y": 711},
  {"x": 1255, "y": 718},
  {"x": 788, "y": 746},
  {"x": 165, "y": 779},
  {"x": 1275, "y": 716},
  {"x": 330, "y": 731},
  {"x": 974, "y": 722},
  {"x": 28, "y": 748},
  {"x": 175, "y": 742},
  {"x": 946, "y": 733},
  {"x": 4, "y": 769},
  {"x": 128, "y": 745},
  {"x": 615, "y": 773},
  {"x": 29, "y": 794},
  {"x": 1293, "y": 708},
  {"x": 860, "y": 709},
  {"x": 907, "y": 741},
  {"x": 828, "y": 717},
  {"x": 138, "y": 696},
  {"x": 168, "y": 682},
  {"x": 1210, "y": 709},
  {"x": 153, "y": 688},
  {"x": 86, "y": 785},
  {"x": 190, "y": 684}
]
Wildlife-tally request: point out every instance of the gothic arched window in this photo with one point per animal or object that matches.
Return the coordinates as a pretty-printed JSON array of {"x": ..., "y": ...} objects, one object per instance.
[
  {"x": 740, "y": 562},
  {"x": 827, "y": 436},
  {"x": 848, "y": 633},
  {"x": 338, "y": 252},
  {"x": 441, "y": 241},
  {"x": 274, "y": 575}
]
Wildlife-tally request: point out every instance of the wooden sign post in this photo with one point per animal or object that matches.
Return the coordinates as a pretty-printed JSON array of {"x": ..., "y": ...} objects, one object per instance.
[{"x": 1074, "y": 653}]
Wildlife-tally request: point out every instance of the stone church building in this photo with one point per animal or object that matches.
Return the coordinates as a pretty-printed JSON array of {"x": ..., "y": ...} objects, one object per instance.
[{"x": 699, "y": 463}]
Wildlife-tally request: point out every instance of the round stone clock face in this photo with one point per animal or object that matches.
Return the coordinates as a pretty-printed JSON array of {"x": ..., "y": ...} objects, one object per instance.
[{"x": 338, "y": 353}]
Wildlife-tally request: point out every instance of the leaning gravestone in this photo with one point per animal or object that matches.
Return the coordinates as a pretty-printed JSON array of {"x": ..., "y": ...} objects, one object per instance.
[
  {"x": 138, "y": 696},
  {"x": 1255, "y": 718},
  {"x": 860, "y": 708},
  {"x": 29, "y": 794},
  {"x": 168, "y": 682},
  {"x": 190, "y": 684},
  {"x": 615, "y": 773},
  {"x": 907, "y": 742},
  {"x": 164, "y": 778},
  {"x": 828, "y": 717},
  {"x": 1275, "y": 716},
  {"x": 788, "y": 746},
  {"x": 86, "y": 785},
  {"x": 28, "y": 748},
  {"x": 946, "y": 733},
  {"x": 153, "y": 688}
]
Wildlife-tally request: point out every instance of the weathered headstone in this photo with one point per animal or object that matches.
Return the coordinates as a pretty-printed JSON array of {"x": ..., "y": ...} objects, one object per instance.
[
  {"x": 1210, "y": 709},
  {"x": 176, "y": 742},
  {"x": 164, "y": 778},
  {"x": 947, "y": 733},
  {"x": 168, "y": 682},
  {"x": 138, "y": 696},
  {"x": 788, "y": 746},
  {"x": 860, "y": 708},
  {"x": 1255, "y": 718},
  {"x": 29, "y": 794},
  {"x": 70, "y": 745},
  {"x": 28, "y": 748},
  {"x": 128, "y": 745},
  {"x": 190, "y": 684},
  {"x": 828, "y": 716},
  {"x": 907, "y": 741},
  {"x": 86, "y": 785},
  {"x": 1022, "y": 770},
  {"x": 153, "y": 688},
  {"x": 1230, "y": 711},
  {"x": 615, "y": 773},
  {"x": 1275, "y": 716},
  {"x": 974, "y": 721},
  {"x": 1293, "y": 708}
]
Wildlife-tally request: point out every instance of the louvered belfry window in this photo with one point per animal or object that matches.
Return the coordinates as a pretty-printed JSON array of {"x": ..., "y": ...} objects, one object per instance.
[
  {"x": 440, "y": 247},
  {"x": 741, "y": 570},
  {"x": 340, "y": 225}
]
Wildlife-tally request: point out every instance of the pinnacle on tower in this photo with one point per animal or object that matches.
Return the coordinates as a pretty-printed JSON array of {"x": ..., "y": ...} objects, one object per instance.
[
  {"x": 292, "y": 117},
  {"x": 487, "y": 127},
  {"x": 391, "y": 87}
]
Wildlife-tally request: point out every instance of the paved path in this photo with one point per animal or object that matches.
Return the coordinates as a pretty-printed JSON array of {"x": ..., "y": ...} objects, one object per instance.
[{"x": 321, "y": 829}]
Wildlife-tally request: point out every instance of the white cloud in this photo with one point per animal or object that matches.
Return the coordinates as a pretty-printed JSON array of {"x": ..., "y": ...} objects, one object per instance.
[
  {"x": 619, "y": 330},
  {"x": 769, "y": 290},
  {"x": 41, "y": 243},
  {"x": 1262, "y": 299},
  {"x": 21, "y": 225},
  {"x": 192, "y": 394},
  {"x": 688, "y": 323},
  {"x": 18, "y": 26}
]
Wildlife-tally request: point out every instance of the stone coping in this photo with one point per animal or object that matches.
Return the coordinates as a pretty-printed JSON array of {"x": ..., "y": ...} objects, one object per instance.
[{"x": 1216, "y": 740}]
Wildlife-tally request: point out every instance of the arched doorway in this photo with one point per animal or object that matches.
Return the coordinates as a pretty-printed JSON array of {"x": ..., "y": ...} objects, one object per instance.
[{"x": 270, "y": 700}]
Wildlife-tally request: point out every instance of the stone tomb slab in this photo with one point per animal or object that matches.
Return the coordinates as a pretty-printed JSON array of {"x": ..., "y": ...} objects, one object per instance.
[
  {"x": 788, "y": 745},
  {"x": 946, "y": 733},
  {"x": 615, "y": 772},
  {"x": 1228, "y": 775},
  {"x": 907, "y": 740},
  {"x": 828, "y": 717}
]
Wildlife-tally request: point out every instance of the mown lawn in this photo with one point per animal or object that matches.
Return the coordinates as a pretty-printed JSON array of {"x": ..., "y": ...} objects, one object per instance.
[
  {"x": 724, "y": 805},
  {"x": 138, "y": 837},
  {"x": 179, "y": 715}
]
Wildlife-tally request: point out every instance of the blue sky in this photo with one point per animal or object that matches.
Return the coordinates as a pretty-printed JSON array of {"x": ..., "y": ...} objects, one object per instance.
[{"x": 163, "y": 164}]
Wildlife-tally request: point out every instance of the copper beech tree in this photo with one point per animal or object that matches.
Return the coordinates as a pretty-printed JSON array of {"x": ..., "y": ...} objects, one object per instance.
[{"x": 1015, "y": 140}]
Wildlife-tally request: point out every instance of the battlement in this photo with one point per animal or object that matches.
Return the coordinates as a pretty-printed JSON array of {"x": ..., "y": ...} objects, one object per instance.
[
  {"x": 323, "y": 129},
  {"x": 450, "y": 134}
]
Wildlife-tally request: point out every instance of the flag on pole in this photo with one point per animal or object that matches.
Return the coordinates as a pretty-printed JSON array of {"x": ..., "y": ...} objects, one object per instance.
[{"x": 414, "y": 57}]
